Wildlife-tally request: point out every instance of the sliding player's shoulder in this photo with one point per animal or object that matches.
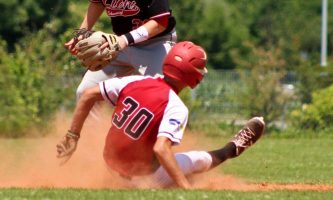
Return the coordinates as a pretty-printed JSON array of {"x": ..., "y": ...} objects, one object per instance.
[{"x": 176, "y": 103}]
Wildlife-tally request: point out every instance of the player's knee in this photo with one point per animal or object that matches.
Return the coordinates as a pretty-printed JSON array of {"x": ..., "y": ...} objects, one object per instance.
[
  {"x": 201, "y": 160},
  {"x": 204, "y": 161}
]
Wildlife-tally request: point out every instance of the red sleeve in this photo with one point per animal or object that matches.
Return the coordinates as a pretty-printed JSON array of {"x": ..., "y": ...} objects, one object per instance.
[{"x": 162, "y": 20}]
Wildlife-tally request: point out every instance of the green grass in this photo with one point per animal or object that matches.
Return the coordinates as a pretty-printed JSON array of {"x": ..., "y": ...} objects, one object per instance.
[
  {"x": 295, "y": 160},
  {"x": 74, "y": 194},
  {"x": 281, "y": 156}
]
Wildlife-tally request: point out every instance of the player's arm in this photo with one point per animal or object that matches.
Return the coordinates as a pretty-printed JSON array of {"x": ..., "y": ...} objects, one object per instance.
[
  {"x": 144, "y": 32},
  {"x": 166, "y": 157},
  {"x": 67, "y": 146},
  {"x": 148, "y": 30},
  {"x": 92, "y": 14},
  {"x": 155, "y": 26},
  {"x": 83, "y": 107},
  {"x": 141, "y": 34}
]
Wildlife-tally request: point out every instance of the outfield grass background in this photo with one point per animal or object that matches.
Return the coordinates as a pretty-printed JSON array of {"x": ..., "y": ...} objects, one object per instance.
[{"x": 281, "y": 160}]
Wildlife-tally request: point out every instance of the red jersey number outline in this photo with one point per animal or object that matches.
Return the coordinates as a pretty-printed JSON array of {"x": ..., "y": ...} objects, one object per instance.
[{"x": 136, "y": 125}]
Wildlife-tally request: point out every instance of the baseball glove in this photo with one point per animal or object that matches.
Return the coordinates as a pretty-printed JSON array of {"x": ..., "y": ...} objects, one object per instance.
[
  {"x": 80, "y": 34},
  {"x": 91, "y": 55}
]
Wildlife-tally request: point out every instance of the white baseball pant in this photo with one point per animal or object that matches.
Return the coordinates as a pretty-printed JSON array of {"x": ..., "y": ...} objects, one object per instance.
[{"x": 189, "y": 162}]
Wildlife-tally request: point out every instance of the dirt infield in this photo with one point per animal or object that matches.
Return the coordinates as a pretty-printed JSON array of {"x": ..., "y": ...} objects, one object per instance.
[
  {"x": 215, "y": 181},
  {"x": 33, "y": 164}
]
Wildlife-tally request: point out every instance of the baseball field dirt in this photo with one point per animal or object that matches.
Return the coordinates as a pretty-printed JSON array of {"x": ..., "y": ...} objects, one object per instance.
[{"x": 32, "y": 163}]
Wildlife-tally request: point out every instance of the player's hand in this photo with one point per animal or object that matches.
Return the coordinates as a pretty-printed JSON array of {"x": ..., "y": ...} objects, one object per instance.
[
  {"x": 185, "y": 185},
  {"x": 67, "y": 146},
  {"x": 79, "y": 34},
  {"x": 121, "y": 41},
  {"x": 70, "y": 46}
]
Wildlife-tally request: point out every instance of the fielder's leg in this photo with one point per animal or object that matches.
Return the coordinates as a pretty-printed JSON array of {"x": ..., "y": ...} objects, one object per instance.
[
  {"x": 156, "y": 48},
  {"x": 91, "y": 79}
]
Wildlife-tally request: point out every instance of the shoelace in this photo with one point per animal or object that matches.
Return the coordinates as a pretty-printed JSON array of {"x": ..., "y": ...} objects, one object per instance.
[{"x": 243, "y": 137}]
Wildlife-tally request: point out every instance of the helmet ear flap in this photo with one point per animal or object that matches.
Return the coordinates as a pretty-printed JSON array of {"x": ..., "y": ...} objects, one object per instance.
[{"x": 173, "y": 72}]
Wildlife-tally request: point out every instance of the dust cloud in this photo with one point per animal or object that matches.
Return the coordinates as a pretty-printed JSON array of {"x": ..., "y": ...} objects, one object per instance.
[{"x": 32, "y": 163}]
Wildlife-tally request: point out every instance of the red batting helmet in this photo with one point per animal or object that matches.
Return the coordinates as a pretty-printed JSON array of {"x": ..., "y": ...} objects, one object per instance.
[{"x": 186, "y": 62}]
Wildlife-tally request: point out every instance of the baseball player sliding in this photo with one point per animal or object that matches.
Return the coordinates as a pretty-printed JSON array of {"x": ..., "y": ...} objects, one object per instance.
[{"x": 149, "y": 119}]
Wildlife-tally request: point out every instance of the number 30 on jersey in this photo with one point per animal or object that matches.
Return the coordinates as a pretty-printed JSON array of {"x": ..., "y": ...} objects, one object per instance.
[{"x": 132, "y": 119}]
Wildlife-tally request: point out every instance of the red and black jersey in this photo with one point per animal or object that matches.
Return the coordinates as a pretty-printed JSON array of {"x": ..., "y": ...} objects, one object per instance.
[{"x": 127, "y": 15}]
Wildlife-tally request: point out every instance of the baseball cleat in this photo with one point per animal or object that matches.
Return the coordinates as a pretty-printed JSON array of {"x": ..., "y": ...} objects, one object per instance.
[{"x": 248, "y": 135}]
